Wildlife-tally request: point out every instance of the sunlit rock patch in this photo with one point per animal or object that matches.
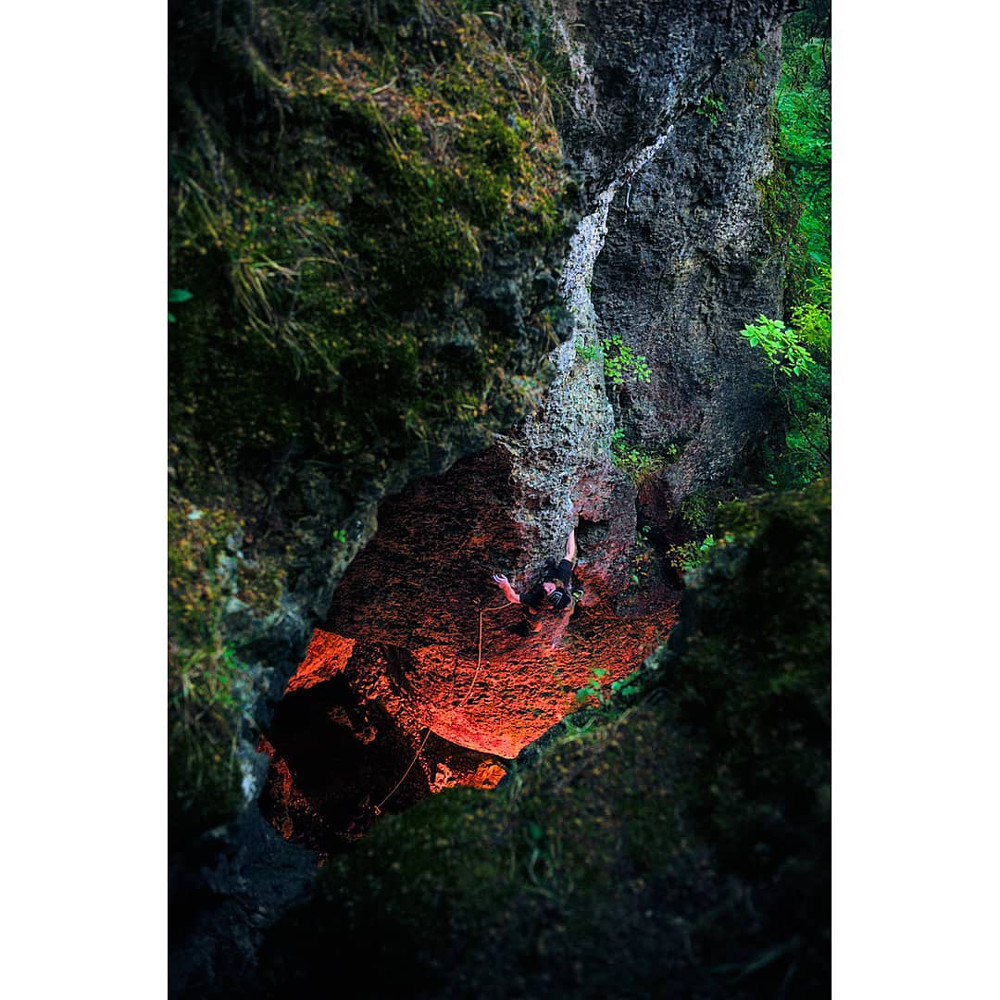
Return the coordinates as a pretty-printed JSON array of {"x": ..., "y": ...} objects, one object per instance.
[{"x": 424, "y": 676}]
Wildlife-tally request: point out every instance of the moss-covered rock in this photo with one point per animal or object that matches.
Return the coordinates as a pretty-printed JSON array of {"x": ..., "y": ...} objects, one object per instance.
[
  {"x": 211, "y": 582},
  {"x": 677, "y": 836},
  {"x": 779, "y": 207},
  {"x": 339, "y": 183},
  {"x": 367, "y": 204}
]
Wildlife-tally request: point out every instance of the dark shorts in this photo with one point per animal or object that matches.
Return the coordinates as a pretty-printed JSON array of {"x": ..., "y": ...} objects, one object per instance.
[{"x": 563, "y": 573}]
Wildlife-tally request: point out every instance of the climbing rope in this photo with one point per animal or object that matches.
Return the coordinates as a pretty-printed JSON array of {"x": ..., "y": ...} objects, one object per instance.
[{"x": 461, "y": 704}]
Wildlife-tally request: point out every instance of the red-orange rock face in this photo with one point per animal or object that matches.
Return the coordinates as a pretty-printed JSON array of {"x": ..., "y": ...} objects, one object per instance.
[{"x": 419, "y": 638}]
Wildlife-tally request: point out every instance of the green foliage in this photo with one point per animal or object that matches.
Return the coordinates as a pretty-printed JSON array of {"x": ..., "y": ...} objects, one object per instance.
[
  {"x": 803, "y": 109},
  {"x": 688, "y": 556},
  {"x": 805, "y": 388},
  {"x": 203, "y": 782},
  {"x": 811, "y": 317},
  {"x": 711, "y": 107},
  {"x": 696, "y": 508},
  {"x": 540, "y": 41},
  {"x": 627, "y": 687},
  {"x": 684, "y": 556},
  {"x": 780, "y": 344},
  {"x": 177, "y": 295},
  {"x": 796, "y": 203},
  {"x": 621, "y": 362},
  {"x": 804, "y": 149},
  {"x": 594, "y": 688},
  {"x": 642, "y": 557},
  {"x": 698, "y": 514},
  {"x": 637, "y": 463},
  {"x": 603, "y": 696},
  {"x": 708, "y": 543}
]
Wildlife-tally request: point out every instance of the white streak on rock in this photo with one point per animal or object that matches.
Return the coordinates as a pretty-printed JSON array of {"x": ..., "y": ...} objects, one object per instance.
[{"x": 561, "y": 451}]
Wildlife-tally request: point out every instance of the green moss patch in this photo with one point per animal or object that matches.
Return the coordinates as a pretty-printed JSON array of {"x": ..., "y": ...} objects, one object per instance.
[
  {"x": 337, "y": 181},
  {"x": 780, "y": 208},
  {"x": 209, "y": 689}
]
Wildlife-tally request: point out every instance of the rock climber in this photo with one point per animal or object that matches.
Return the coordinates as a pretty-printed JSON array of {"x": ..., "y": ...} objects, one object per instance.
[{"x": 552, "y": 592}]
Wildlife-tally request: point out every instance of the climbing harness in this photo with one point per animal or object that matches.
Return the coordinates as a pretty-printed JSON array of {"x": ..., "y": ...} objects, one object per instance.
[{"x": 461, "y": 704}]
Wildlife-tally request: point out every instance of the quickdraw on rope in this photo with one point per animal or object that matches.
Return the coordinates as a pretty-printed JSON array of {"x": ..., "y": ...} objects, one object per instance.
[{"x": 461, "y": 704}]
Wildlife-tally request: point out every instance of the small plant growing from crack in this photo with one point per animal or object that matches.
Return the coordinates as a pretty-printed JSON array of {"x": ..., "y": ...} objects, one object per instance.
[
  {"x": 712, "y": 107},
  {"x": 620, "y": 361}
]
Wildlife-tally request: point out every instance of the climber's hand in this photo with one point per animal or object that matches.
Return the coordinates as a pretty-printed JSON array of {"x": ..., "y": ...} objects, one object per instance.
[{"x": 500, "y": 580}]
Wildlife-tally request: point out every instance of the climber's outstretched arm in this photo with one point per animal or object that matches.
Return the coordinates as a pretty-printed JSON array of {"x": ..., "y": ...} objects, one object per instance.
[
  {"x": 508, "y": 591},
  {"x": 571, "y": 546}
]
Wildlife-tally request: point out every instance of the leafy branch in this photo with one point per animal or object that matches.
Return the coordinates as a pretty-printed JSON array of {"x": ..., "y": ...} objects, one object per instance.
[
  {"x": 780, "y": 344},
  {"x": 787, "y": 355}
]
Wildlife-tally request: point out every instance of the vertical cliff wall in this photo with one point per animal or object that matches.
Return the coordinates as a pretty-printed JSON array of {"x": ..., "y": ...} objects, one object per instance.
[
  {"x": 664, "y": 120},
  {"x": 691, "y": 251},
  {"x": 668, "y": 115}
]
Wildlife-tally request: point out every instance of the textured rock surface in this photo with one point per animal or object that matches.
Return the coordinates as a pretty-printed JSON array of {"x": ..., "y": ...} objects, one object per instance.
[
  {"x": 685, "y": 267},
  {"x": 640, "y": 66},
  {"x": 675, "y": 255},
  {"x": 223, "y": 900},
  {"x": 400, "y": 653},
  {"x": 691, "y": 253}
]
